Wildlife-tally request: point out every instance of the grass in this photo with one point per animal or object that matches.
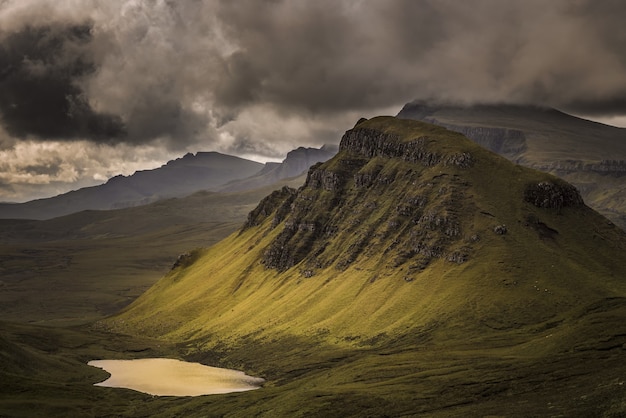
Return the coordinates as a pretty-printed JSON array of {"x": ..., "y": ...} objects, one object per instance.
[
  {"x": 528, "y": 321},
  {"x": 411, "y": 376},
  {"x": 553, "y": 139},
  {"x": 81, "y": 267},
  {"x": 530, "y": 324}
]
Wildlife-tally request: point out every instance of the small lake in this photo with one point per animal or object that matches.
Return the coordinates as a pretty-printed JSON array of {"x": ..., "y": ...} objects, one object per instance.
[{"x": 169, "y": 377}]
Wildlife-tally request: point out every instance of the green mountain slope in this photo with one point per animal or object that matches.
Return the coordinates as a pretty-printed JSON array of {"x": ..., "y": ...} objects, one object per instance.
[
  {"x": 413, "y": 273},
  {"x": 590, "y": 155}
]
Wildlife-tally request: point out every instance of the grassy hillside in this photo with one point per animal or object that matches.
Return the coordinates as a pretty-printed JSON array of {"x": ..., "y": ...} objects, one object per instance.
[
  {"x": 80, "y": 267},
  {"x": 414, "y": 273}
]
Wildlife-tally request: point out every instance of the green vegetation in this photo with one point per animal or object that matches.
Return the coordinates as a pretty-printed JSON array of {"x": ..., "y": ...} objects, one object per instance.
[
  {"x": 399, "y": 310},
  {"x": 590, "y": 155},
  {"x": 415, "y": 274},
  {"x": 81, "y": 267}
]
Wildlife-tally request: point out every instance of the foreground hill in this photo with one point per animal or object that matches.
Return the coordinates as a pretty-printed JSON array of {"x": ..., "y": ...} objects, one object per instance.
[
  {"x": 590, "y": 155},
  {"x": 413, "y": 273},
  {"x": 177, "y": 178}
]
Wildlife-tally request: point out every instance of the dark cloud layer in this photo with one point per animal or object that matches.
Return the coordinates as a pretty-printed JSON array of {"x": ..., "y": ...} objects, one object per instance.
[
  {"x": 39, "y": 94},
  {"x": 332, "y": 56},
  {"x": 262, "y": 77},
  {"x": 141, "y": 70}
]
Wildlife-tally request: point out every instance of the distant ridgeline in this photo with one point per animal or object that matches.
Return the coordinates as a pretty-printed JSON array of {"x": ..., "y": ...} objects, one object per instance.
[
  {"x": 604, "y": 166},
  {"x": 504, "y": 141},
  {"x": 511, "y": 143}
]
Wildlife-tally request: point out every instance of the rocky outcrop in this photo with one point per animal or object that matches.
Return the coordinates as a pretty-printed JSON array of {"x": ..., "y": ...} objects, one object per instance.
[
  {"x": 185, "y": 259},
  {"x": 324, "y": 179},
  {"x": 278, "y": 200},
  {"x": 552, "y": 195},
  {"x": 371, "y": 143}
]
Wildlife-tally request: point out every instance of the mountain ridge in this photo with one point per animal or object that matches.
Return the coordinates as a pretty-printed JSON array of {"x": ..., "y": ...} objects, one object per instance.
[
  {"x": 295, "y": 163},
  {"x": 588, "y": 154},
  {"x": 202, "y": 171},
  {"x": 176, "y": 178}
]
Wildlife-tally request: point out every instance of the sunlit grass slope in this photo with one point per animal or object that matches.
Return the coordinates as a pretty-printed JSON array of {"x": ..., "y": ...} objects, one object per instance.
[
  {"x": 550, "y": 260},
  {"x": 412, "y": 254}
]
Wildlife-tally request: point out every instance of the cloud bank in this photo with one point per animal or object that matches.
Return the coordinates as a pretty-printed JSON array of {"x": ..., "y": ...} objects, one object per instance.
[{"x": 261, "y": 77}]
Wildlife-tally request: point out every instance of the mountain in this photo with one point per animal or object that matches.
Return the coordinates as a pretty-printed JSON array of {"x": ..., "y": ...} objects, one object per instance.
[
  {"x": 177, "y": 178},
  {"x": 296, "y": 163},
  {"x": 590, "y": 155},
  {"x": 415, "y": 273}
]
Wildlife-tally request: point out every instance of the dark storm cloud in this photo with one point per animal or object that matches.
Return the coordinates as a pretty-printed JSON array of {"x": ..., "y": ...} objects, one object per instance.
[
  {"x": 315, "y": 56},
  {"x": 332, "y": 56},
  {"x": 186, "y": 72},
  {"x": 39, "y": 91}
]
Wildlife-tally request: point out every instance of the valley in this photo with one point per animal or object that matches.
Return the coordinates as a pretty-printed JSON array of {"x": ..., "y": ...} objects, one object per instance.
[{"x": 77, "y": 268}]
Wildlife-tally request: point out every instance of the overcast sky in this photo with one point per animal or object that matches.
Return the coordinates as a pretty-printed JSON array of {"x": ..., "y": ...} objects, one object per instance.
[{"x": 93, "y": 88}]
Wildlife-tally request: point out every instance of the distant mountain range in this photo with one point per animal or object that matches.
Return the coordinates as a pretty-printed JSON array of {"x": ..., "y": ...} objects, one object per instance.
[
  {"x": 297, "y": 162},
  {"x": 590, "y": 155},
  {"x": 209, "y": 171}
]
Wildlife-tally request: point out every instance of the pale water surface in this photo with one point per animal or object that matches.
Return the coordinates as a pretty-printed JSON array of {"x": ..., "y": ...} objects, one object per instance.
[{"x": 169, "y": 377}]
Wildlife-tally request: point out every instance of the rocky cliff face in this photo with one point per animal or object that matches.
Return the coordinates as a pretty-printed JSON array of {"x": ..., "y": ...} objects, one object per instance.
[
  {"x": 406, "y": 197},
  {"x": 370, "y": 143},
  {"x": 340, "y": 202}
]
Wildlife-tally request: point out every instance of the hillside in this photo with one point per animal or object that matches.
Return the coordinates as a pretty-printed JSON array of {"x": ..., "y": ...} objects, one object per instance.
[
  {"x": 413, "y": 273},
  {"x": 177, "y": 178},
  {"x": 590, "y": 155},
  {"x": 86, "y": 265}
]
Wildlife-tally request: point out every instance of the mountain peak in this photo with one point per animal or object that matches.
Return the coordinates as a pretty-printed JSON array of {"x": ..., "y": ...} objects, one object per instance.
[{"x": 403, "y": 188}]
